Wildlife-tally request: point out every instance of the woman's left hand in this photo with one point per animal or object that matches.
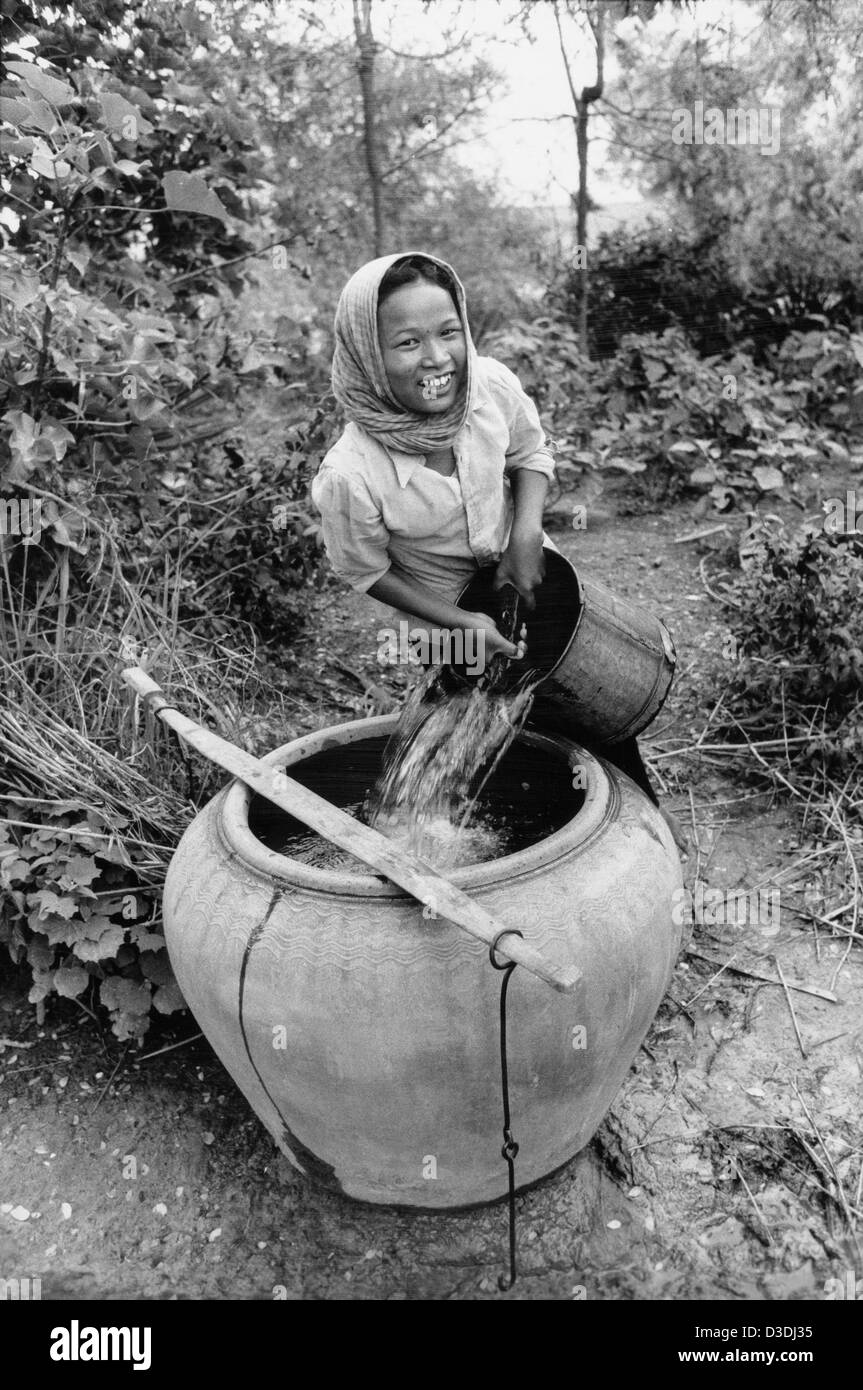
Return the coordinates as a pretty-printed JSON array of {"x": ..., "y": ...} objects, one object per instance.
[{"x": 522, "y": 565}]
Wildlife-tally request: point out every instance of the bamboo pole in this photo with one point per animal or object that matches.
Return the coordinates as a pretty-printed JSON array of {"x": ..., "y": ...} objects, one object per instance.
[{"x": 417, "y": 877}]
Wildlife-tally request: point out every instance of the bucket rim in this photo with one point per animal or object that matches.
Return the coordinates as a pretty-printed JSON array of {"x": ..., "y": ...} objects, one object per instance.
[
  {"x": 234, "y": 828},
  {"x": 548, "y": 551}
]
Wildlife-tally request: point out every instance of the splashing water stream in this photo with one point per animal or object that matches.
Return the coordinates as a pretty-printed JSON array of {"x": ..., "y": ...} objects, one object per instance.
[
  {"x": 446, "y": 746},
  {"x": 439, "y": 759}
]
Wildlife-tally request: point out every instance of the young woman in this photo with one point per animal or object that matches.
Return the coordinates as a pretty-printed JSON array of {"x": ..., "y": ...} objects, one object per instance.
[{"x": 443, "y": 467}]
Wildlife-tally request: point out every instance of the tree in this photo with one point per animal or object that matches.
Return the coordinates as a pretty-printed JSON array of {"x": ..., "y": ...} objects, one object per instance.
[
  {"x": 590, "y": 18},
  {"x": 594, "y": 13},
  {"x": 392, "y": 145},
  {"x": 788, "y": 217},
  {"x": 366, "y": 69},
  {"x": 426, "y": 106}
]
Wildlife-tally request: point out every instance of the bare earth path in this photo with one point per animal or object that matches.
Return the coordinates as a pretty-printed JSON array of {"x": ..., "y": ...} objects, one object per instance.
[{"x": 699, "y": 1184}]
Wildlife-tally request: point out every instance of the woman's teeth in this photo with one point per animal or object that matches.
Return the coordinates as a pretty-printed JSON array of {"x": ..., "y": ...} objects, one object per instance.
[{"x": 434, "y": 386}]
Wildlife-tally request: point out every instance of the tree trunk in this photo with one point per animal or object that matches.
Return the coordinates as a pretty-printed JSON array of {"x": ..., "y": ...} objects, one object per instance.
[
  {"x": 595, "y": 14},
  {"x": 581, "y": 219},
  {"x": 366, "y": 69}
]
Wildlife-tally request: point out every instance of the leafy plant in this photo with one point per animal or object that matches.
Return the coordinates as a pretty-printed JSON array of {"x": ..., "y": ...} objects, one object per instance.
[
  {"x": 80, "y": 917},
  {"x": 721, "y": 425},
  {"x": 796, "y": 647}
]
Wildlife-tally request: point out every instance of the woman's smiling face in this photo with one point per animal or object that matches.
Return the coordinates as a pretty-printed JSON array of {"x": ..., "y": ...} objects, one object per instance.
[{"x": 423, "y": 347}]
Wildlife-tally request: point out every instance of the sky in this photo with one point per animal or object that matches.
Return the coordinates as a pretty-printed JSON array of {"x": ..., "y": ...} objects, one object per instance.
[{"x": 534, "y": 159}]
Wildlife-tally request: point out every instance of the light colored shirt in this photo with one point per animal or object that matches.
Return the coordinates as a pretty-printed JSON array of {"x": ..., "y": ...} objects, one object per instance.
[{"x": 382, "y": 509}]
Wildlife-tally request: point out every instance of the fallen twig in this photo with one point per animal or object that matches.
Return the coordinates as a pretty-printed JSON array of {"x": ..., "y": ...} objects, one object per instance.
[
  {"x": 718, "y": 598},
  {"x": 771, "y": 770},
  {"x": 830, "y": 1168},
  {"x": 658, "y": 1116},
  {"x": 170, "y": 1048},
  {"x": 784, "y": 984},
  {"x": 834, "y": 1037},
  {"x": 783, "y": 1158},
  {"x": 829, "y": 919},
  {"x": 699, "y": 535},
  {"x": 681, "y": 1008},
  {"x": 729, "y": 749},
  {"x": 858, "y": 893},
  {"x": 758, "y": 1211},
  {"x": 107, "y": 1086},
  {"x": 760, "y": 975},
  {"x": 695, "y": 835}
]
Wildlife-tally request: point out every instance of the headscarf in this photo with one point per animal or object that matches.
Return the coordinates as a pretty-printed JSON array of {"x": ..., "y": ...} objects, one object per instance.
[{"x": 359, "y": 377}]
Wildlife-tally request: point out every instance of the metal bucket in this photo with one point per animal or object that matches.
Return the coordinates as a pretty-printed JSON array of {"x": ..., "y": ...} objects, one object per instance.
[{"x": 606, "y": 665}]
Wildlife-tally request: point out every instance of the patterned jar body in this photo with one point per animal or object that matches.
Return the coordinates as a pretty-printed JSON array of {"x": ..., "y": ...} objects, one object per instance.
[{"x": 365, "y": 1034}]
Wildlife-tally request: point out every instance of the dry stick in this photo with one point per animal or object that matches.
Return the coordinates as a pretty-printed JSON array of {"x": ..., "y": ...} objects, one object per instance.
[
  {"x": 718, "y": 598},
  {"x": 784, "y": 984},
  {"x": 788, "y": 1129},
  {"x": 758, "y": 1211},
  {"x": 785, "y": 728},
  {"x": 655, "y": 1121},
  {"x": 695, "y": 836},
  {"x": 828, "y": 920},
  {"x": 106, "y": 1088},
  {"x": 760, "y": 975},
  {"x": 842, "y": 1200},
  {"x": 699, "y": 535},
  {"x": 87, "y": 1011},
  {"x": 410, "y": 872},
  {"x": 783, "y": 874},
  {"x": 834, "y": 1037},
  {"x": 772, "y": 771},
  {"x": 698, "y": 993},
  {"x": 710, "y": 719},
  {"x": 90, "y": 834},
  {"x": 730, "y": 750},
  {"x": 843, "y": 831},
  {"x": 170, "y": 1048}
]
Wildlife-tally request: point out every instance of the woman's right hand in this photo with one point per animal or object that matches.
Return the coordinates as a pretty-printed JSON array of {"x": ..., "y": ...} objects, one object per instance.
[{"x": 493, "y": 639}]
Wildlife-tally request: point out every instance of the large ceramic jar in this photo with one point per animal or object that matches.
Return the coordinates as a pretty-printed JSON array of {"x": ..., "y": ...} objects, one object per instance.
[{"x": 365, "y": 1035}]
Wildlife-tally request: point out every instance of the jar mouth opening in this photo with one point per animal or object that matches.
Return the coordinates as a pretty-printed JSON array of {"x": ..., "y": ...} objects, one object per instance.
[{"x": 577, "y": 775}]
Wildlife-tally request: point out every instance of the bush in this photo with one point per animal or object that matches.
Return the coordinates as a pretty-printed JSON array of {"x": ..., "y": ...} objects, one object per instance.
[
  {"x": 829, "y": 364},
  {"x": 796, "y": 628},
  {"x": 724, "y": 425},
  {"x": 168, "y": 454},
  {"x": 545, "y": 355},
  {"x": 95, "y": 805},
  {"x": 658, "y": 277},
  {"x": 655, "y": 278}
]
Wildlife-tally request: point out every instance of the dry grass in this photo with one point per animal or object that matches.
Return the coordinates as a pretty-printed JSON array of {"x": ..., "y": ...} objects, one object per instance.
[
  {"x": 83, "y": 768},
  {"x": 68, "y": 729}
]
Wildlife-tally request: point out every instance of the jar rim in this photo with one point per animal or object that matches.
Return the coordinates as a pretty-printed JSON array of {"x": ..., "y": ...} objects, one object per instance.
[{"x": 234, "y": 826}]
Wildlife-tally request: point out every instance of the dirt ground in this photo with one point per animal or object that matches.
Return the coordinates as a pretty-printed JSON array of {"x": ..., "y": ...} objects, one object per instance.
[{"x": 728, "y": 1168}]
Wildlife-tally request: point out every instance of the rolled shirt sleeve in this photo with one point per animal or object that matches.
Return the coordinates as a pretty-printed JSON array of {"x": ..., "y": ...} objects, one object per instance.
[
  {"x": 528, "y": 445},
  {"x": 355, "y": 536}
]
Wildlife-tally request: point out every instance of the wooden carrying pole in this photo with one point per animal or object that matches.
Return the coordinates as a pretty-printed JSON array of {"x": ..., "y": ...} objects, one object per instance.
[{"x": 417, "y": 877}]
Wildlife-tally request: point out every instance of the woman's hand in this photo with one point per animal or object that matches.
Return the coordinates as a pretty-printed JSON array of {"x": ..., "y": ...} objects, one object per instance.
[
  {"x": 494, "y": 641},
  {"x": 522, "y": 565}
]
